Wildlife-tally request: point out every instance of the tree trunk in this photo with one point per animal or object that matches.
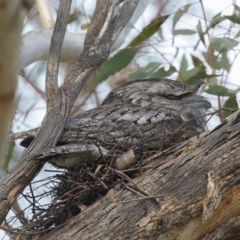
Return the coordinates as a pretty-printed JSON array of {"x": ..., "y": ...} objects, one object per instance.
[
  {"x": 11, "y": 21},
  {"x": 192, "y": 192}
]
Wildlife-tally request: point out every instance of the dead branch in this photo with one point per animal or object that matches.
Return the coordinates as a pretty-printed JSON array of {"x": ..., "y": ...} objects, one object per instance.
[
  {"x": 184, "y": 179},
  {"x": 109, "y": 19}
]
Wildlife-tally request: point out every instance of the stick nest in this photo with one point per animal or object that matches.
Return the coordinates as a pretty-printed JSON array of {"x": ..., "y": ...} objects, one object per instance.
[{"x": 70, "y": 191}]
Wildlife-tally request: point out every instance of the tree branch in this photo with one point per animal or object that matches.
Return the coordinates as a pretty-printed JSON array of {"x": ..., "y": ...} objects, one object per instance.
[
  {"x": 178, "y": 181},
  {"x": 59, "y": 109},
  {"x": 35, "y": 44}
]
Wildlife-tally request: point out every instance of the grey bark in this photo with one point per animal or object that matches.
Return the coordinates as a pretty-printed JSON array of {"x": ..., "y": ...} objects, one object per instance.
[
  {"x": 106, "y": 26},
  {"x": 177, "y": 183},
  {"x": 191, "y": 189}
]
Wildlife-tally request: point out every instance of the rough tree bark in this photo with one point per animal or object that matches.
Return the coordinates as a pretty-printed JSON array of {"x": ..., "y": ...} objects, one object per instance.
[
  {"x": 109, "y": 19},
  {"x": 72, "y": 45},
  {"x": 192, "y": 193}
]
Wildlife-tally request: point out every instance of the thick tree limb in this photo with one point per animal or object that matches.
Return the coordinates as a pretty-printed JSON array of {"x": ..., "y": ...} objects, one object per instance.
[
  {"x": 35, "y": 44},
  {"x": 94, "y": 54},
  {"x": 178, "y": 182},
  {"x": 35, "y": 47}
]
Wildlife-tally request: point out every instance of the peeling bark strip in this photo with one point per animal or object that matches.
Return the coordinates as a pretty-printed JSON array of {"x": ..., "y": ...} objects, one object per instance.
[
  {"x": 60, "y": 100},
  {"x": 212, "y": 200},
  {"x": 181, "y": 179},
  {"x": 179, "y": 182}
]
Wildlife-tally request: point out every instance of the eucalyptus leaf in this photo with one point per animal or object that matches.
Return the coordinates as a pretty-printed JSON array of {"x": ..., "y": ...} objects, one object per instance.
[
  {"x": 149, "y": 30},
  {"x": 230, "y": 103},
  {"x": 144, "y": 71},
  {"x": 179, "y": 14},
  {"x": 200, "y": 32},
  {"x": 223, "y": 62},
  {"x": 183, "y": 32},
  {"x": 216, "y": 20},
  {"x": 161, "y": 72},
  {"x": 114, "y": 64},
  {"x": 219, "y": 90},
  {"x": 183, "y": 68},
  {"x": 233, "y": 18},
  {"x": 223, "y": 43}
]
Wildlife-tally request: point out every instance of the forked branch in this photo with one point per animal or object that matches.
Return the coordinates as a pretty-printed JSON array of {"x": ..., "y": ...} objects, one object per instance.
[{"x": 109, "y": 19}]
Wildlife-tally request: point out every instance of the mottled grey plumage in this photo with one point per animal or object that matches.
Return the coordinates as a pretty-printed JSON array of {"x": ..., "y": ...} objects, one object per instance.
[{"x": 144, "y": 115}]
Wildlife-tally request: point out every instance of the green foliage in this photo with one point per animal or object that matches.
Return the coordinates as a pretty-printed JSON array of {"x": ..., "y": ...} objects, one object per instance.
[
  {"x": 161, "y": 72},
  {"x": 206, "y": 57},
  {"x": 114, "y": 64},
  {"x": 183, "y": 32},
  {"x": 148, "y": 31},
  {"x": 179, "y": 14},
  {"x": 200, "y": 32},
  {"x": 231, "y": 103},
  {"x": 235, "y": 18},
  {"x": 219, "y": 90},
  {"x": 224, "y": 43},
  {"x": 222, "y": 61},
  {"x": 215, "y": 21},
  {"x": 74, "y": 16},
  {"x": 152, "y": 70},
  {"x": 144, "y": 71}
]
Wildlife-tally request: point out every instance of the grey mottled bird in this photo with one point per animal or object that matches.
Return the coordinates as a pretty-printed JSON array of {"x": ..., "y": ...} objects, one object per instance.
[{"x": 145, "y": 115}]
